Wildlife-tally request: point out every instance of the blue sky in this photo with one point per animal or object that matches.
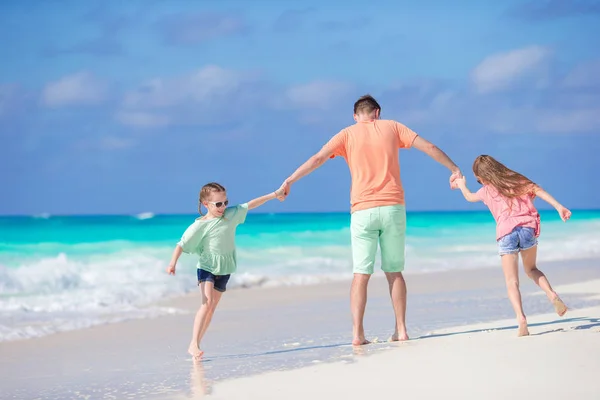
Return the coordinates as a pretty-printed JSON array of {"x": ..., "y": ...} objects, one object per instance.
[{"x": 127, "y": 107}]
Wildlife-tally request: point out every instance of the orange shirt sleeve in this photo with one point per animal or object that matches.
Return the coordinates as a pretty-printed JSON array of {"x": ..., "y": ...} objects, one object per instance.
[
  {"x": 406, "y": 136},
  {"x": 337, "y": 144}
]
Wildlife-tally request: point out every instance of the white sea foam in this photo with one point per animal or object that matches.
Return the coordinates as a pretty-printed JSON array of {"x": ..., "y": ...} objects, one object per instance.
[
  {"x": 53, "y": 294},
  {"x": 144, "y": 215},
  {"x": 42, "y": 216}
]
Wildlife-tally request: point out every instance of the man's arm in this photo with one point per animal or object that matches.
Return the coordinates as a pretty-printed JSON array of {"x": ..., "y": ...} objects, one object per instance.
[
  {"x": 434, "y": 152},
  {"x": 438, "y": 155},
  {"x": 309, "y": 166}
]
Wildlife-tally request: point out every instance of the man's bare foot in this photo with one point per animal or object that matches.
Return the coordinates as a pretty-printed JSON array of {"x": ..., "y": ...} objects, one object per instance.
[
  {"x": 195, "y": 352},
  {"x": 360, "y": 342},
  {"x": 559, "y": 306},
  {"x": 399, "y": 337},
  {"x": 523, "y": 330}
]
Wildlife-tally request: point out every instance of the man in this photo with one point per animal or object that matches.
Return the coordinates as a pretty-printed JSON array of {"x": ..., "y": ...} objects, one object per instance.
[{"x": 370, "y": 147}]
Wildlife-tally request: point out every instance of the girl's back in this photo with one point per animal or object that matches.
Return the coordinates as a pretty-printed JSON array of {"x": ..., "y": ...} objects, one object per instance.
[{"x": 510, "y": 212}]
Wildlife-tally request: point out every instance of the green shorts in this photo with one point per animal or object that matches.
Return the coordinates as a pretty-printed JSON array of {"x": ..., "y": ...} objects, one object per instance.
[{"x": 385, "y": 225}]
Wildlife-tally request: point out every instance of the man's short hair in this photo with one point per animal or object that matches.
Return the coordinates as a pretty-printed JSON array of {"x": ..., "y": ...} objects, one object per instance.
[{"x": 366, "y": 105}]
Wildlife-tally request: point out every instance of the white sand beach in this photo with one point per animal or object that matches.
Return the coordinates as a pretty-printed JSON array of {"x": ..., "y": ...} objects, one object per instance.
[
  {"x": 559, "y": 360},
  {"x": 294, "y": 343}
]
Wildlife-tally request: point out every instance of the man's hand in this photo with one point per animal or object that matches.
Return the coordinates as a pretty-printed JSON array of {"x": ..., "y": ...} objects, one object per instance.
[
  {"x": 283, "y": 191},
  {"x": 280, "y": 194},
  {"x": 455, "y": 175}
]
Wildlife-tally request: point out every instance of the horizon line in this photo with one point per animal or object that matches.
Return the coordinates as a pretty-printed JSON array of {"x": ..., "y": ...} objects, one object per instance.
[{"x": 49, "y": 215}]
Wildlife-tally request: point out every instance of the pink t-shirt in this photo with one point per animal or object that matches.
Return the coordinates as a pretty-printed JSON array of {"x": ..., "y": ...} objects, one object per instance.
[{"x": 510, "y": 213}]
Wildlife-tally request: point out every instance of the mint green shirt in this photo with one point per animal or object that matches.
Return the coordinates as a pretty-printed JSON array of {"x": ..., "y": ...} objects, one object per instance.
[{"x": 213, "y": 240}]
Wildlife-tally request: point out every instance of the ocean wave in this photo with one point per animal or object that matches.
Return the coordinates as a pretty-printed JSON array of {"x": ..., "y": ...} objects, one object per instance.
[
  {"x": 95, "y": 283},
  {"x": 144, "y": 215},
  {"x": 42, "y": 216}
]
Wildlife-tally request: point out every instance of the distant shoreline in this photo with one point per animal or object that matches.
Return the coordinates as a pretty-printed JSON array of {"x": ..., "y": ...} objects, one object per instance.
[{"x": 156, "y": 214}]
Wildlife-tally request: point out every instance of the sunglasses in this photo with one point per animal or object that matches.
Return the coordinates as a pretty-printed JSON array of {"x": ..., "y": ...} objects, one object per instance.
[{"x": 219, "y": 204}]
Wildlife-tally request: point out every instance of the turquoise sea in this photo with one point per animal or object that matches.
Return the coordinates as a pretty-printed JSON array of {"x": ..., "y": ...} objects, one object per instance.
[{"x": 61, "y": 273}]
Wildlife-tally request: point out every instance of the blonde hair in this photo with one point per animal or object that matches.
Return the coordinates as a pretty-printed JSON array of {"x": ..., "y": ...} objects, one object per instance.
[
  {"x": 507, "y": 182},
  {"x": 206, "y": 191}
]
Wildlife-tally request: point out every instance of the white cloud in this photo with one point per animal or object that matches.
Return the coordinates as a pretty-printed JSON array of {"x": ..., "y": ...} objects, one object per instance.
[
  {"x": 213, "y": 93},
  {"x": 190, "y": 29},
  {"x": 202, "y": 86},
  {"x": 202, "y": 97},
  {"x": 81, "y": 88},
  {"x": 320, "y": 95},
  {"x": 584, "y": 75},
  {"x": 500, "y": 71},
  {"x": 568, "y": 121},
  {"x": 142, "y": 119}
]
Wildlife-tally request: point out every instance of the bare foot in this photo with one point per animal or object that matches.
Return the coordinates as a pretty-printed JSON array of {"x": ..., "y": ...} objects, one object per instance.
[
  {"x": 195, "y": 352},
  {"x": 523, "y": 331},
  {"x": 399, "y": 337},
  {"x": 559, "y": 306},
  {"x": 360, "y": 342}
]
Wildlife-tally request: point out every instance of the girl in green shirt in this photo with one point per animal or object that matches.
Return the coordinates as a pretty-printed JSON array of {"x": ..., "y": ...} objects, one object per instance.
[{"x": 212, "y": 238}]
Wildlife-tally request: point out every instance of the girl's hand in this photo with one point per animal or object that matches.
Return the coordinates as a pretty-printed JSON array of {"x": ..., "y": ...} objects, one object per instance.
[
  {"x": 456, "y": 175},
  {"x": 564, "y": 213},
  {"x": 280, "y": 194},
  {"x": 460, "y": 182},
  {"x": 171, "y": 269}
]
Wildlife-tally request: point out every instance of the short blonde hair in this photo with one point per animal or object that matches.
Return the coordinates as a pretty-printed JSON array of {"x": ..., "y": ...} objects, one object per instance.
[{"x": 205, "y": 192}]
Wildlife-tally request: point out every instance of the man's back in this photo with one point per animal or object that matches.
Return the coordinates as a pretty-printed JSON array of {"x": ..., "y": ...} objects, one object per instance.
[{"x": 371, "y": 151}]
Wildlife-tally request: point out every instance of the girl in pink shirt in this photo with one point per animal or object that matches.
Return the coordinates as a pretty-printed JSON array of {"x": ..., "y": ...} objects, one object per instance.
[{"x": 509, "y": 196}]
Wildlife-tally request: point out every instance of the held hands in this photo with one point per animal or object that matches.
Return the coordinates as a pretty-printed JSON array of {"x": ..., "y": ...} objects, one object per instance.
[
  {"x": 280, "y": 194},
  {"x": 565, "y": 213},
  {"x": 454, "y": 177},
  {"x": 460, "y": 183},
  {"x": 283, "y": 191}
]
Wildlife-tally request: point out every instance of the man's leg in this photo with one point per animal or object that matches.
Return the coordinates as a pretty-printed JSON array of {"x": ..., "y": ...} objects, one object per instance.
[
  {"x": 364, "y": 249},
  {"x": 398, "y": 295},
  {"x": 358, "y": 303},
  {"x": 392, "y": 240}
]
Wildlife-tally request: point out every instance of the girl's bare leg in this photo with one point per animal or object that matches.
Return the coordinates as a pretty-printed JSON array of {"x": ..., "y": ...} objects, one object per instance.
[
  {"x": 529, "y": 257},
  {"x": 510, "y": 267},
  {"x": 206, "y": 288},
  {"x": 212, "y": 306}
]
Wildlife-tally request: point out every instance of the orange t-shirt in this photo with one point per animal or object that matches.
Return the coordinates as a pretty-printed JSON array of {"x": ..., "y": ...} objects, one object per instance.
[{"x": 371, "y": 150}]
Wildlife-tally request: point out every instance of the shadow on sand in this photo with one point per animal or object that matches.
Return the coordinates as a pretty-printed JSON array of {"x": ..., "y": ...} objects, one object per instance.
[
  {"x": 590, "y": 323},
  {"x": 586, "y": 323}
]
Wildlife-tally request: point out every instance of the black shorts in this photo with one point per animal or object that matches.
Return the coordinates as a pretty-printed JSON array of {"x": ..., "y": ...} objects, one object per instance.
[{"x": 220, "y": 281}]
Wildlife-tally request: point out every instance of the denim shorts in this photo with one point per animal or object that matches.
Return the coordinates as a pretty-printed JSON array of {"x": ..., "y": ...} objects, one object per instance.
[
  {"x": 220, "y": 281},
  {"x": 521, "y": 238}
]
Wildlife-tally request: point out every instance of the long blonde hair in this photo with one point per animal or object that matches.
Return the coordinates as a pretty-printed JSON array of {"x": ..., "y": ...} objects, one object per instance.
[
  {"x": 205, "y": 192},
  {"x": 507, "y": 182}
]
